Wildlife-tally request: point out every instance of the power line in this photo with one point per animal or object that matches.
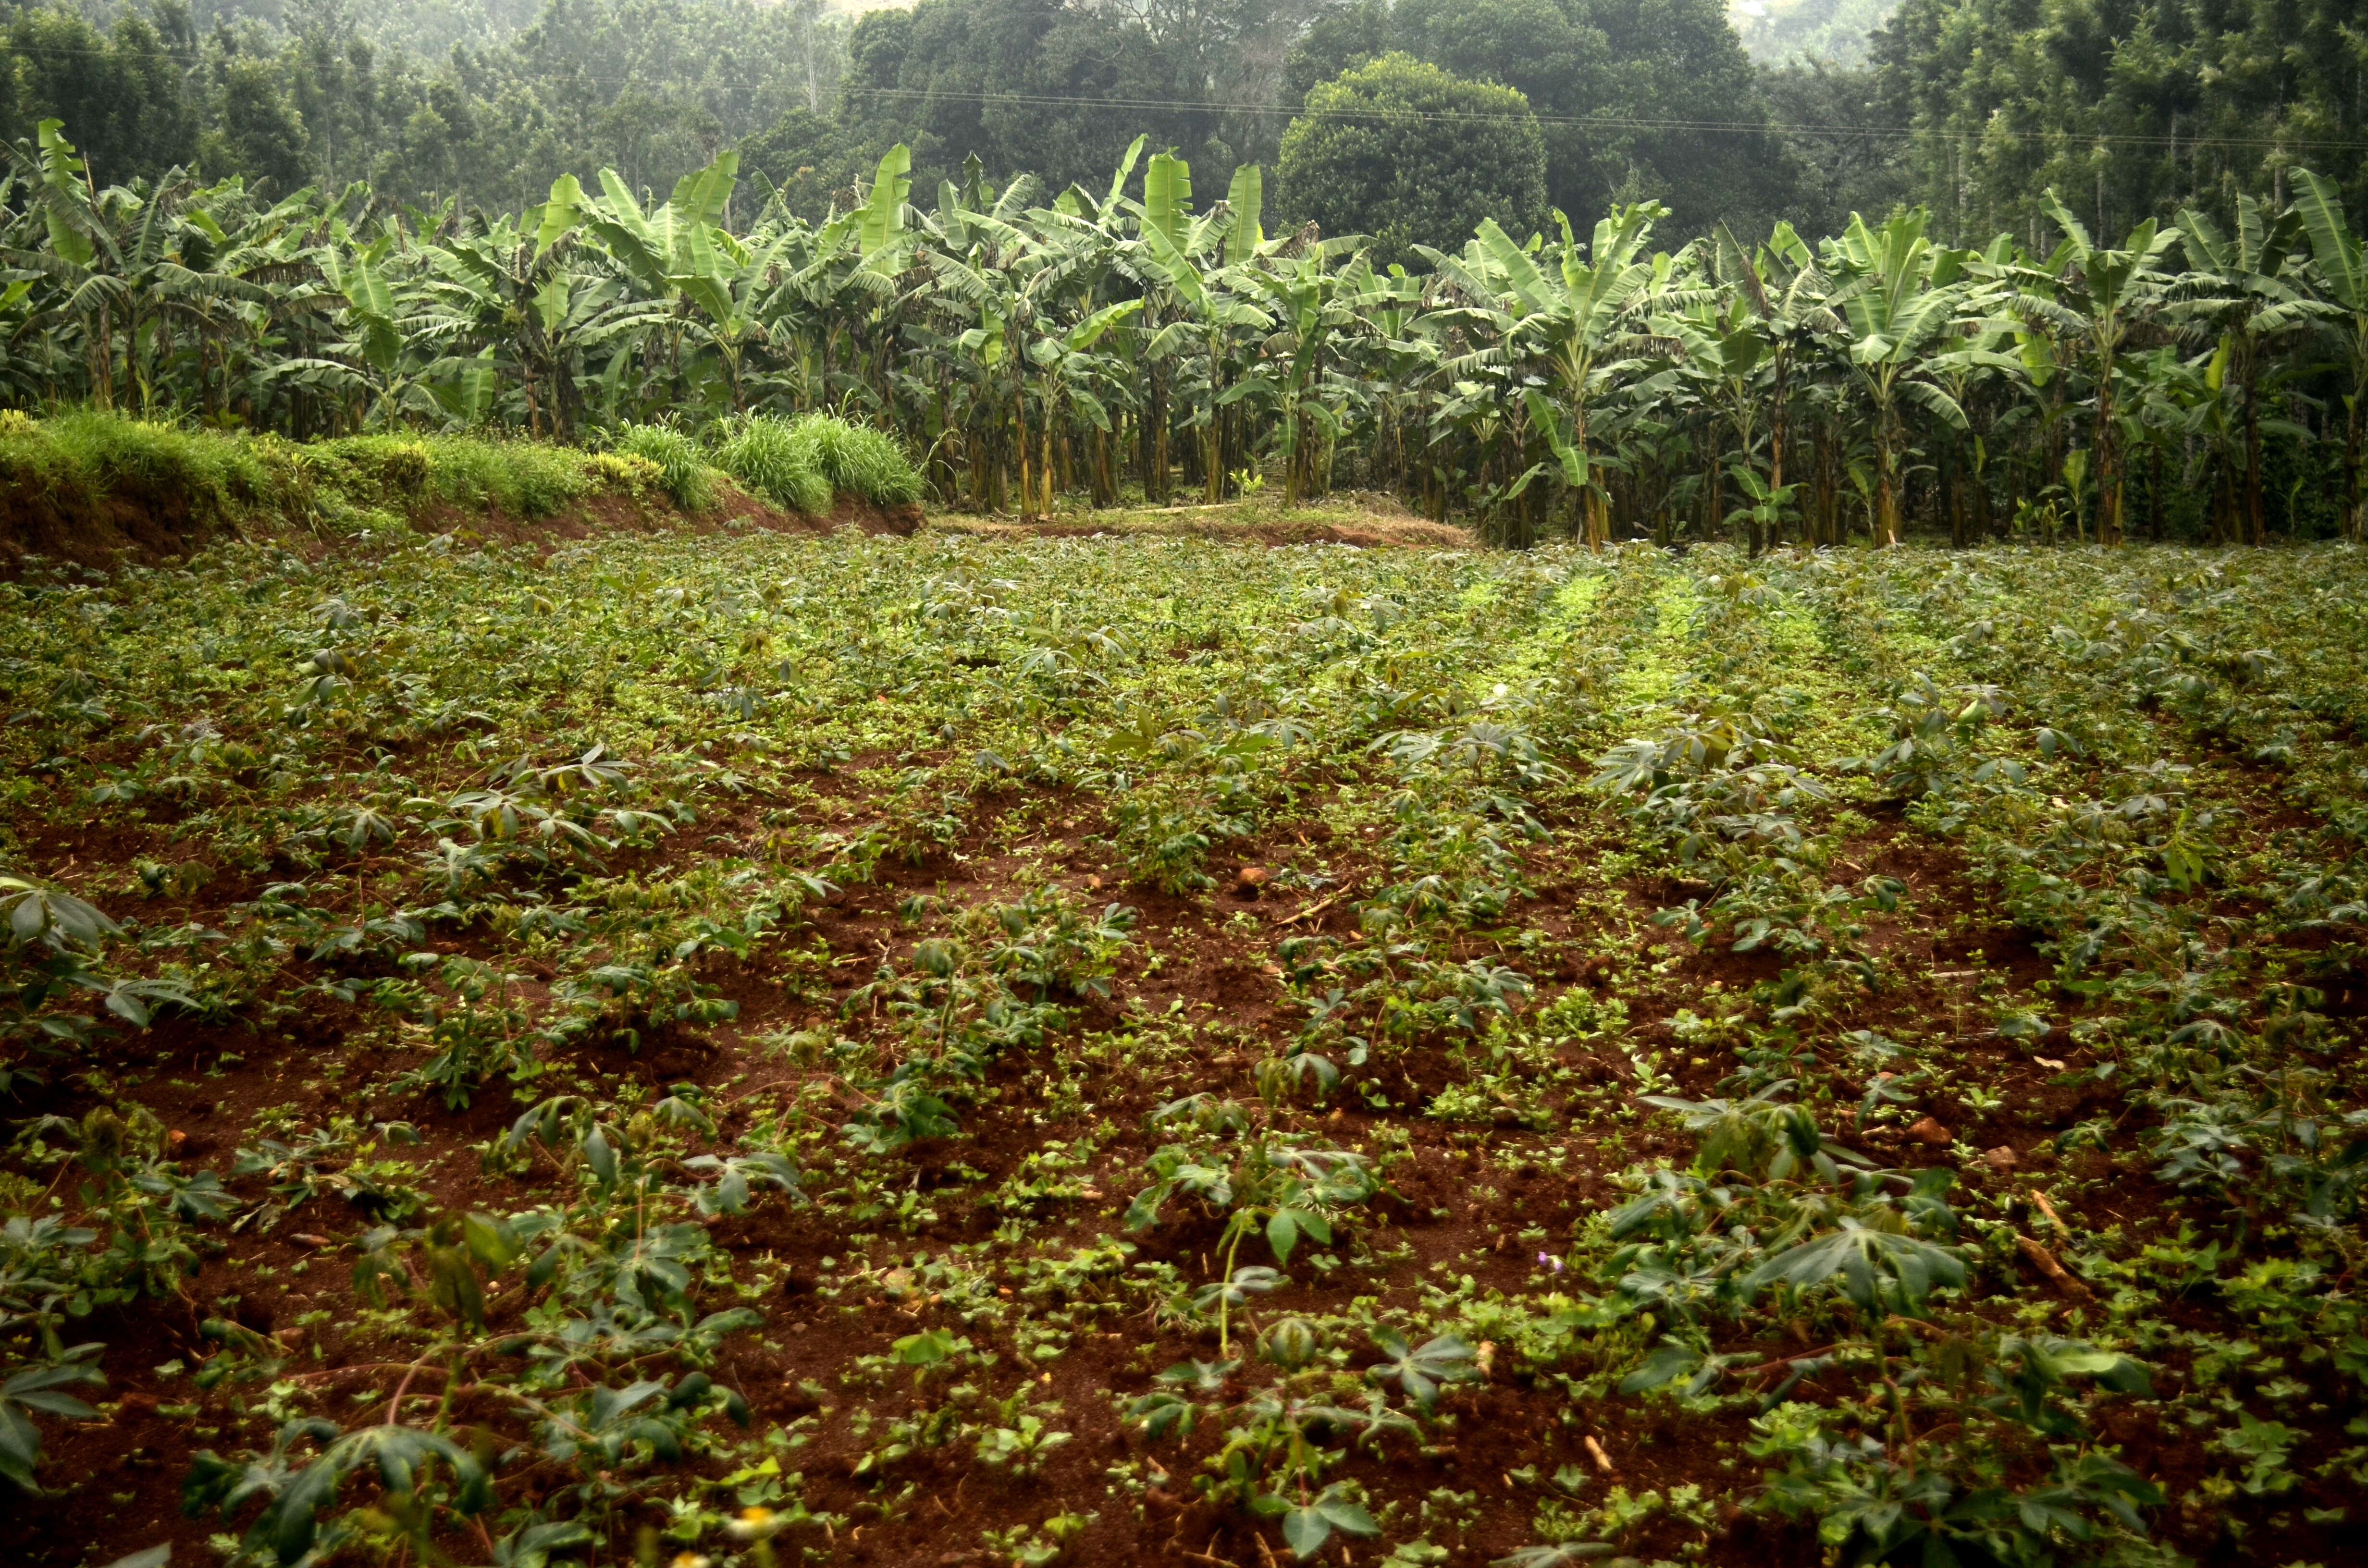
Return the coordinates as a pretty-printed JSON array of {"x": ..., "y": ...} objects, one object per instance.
[
  {"x": 1577, "y": 121},
  {"x": 1619, "y": 122}
]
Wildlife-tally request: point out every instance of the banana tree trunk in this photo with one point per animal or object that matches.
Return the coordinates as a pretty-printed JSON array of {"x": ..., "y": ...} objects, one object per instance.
[
  {"x": 1714, "y": 487},
  {"x": 1980, "y": 526},
  {"x": 1155, "y": 424},
  {"x": 1019, "y": 443},
  {"x": 1212, "y": 437},
  {"x": 2108, "y": 460},
  {"x": 1953, "y": 501},
  {"x": 1886, "y": 499},
  {"x": 1590, "y": 496},
  {"x": 102, "y": 374},
  {"x": 1047, "y": 423},
  {"x": 2256, "y": 523},
  {"x": 1821, "y": 485},
  {"x": 2355, "y": 521}
]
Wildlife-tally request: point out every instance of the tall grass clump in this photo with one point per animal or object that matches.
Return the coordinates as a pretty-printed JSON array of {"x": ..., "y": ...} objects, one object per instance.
[
  {"x": 777, "y": 459},
  {"x": 860, "y": 461},
  {"x": 683, "y": 474}
]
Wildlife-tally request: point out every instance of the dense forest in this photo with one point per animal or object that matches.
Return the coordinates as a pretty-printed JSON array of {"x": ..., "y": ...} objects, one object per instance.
[
  {"x": 313, "y": 93},
  {"x": 2139, "y": 107},
  {"x": 2132, "y": 109}
]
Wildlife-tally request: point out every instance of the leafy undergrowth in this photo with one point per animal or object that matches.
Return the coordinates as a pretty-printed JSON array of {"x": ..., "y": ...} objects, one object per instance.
[{"x": 753, "y": 1050}]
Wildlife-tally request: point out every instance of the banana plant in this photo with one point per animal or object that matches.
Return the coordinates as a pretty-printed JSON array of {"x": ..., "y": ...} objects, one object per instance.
[
  {"x": 86, "y": 290},
  {"x": 1312, "y": 305},
  {"x": 1013, "y": 293},
  {"x": 476, "y": 306},
  {"x": 1067, "y": 370},
  {"x": 2343, "y": 288},
  {"x": 2100, "y": 299},
  {"x": 1395, "y": 363},
  {"x": 1896, "y": 293},
  {"x": 127, "y": 269},
  {"x": 2241, "y": 290},
  {"x": 1725, "y": 350},
  {"x": 1784, "y": 291},
  {"x": 1215, "y": 300},
  {"x": 1577, "y": 323},
  {"x": 1056, "y": 343},
  {"x": 677, "y": 255}
]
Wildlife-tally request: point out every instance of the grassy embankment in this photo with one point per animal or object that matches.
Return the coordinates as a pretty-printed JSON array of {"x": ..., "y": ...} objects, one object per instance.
[{"x": 96, "y": 489}]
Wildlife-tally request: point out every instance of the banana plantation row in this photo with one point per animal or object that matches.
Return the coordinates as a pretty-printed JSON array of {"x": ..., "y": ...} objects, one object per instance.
[{"x": 2194, "y": 382}]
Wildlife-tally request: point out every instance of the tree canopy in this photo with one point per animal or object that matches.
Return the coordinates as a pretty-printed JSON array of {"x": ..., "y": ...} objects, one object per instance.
[
  {"x": 2133, "y": 109},
  {"x": 1412, "y": 155},
  {"x": 1636, "y": 99}
]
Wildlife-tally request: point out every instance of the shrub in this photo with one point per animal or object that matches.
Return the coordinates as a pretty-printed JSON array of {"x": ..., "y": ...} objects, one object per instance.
[
  {"x": 859, "y": 460},
  {"x": 623, "y": 470},
  {"x": 778, "y": 460},
  {"x": 380, "y": 468},
  {"x": 681, "y": 472}
]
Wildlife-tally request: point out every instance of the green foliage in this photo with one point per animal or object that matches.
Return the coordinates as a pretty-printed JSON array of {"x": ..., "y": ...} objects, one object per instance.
[
  {"x": 682, "y": 470},
  {"x": 314, "y": 99},
  {"x": 1413, "y": 156},
  {"x": 770, "y": 458},
  {"x": 1536, "y": 381},
  {"x": 801, "y": 462},
  {"x": 1626, "y": 93},
  {"x": 93, "y": 456},
  {"x": 857, "y": 459},
  {"x": 83, "y": 462},
  {"x": 2154, "y": 70},
  {"x": 1799, "y": 30},
  {"x": 28, "y": 1392},
  {"x": 524, "y": 479}
]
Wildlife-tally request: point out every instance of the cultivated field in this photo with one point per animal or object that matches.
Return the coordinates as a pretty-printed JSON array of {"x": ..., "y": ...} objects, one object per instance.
[{"x": 748, "y": 1048}]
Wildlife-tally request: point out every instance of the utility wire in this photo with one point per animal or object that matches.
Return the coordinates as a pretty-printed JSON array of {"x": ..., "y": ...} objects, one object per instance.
[
  {"x": 1621, "y": 122},
  {"x": 1579, "y": 121}
]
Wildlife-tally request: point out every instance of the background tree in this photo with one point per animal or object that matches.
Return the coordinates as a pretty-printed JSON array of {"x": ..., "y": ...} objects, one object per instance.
[
  {"x": 1845, "y": 154},
  {"x": 122, "y": 90},
  {"x": 484, "y": 100},
  {"x": 1829, "y": 32},
  {"x": 1636, "y": 99},
  {"x": 1412, "y": 155},
  {"x": 2343, "y": 279},
  {"x": 811, "y": 160},
  {"x": 257, "y": 130},
  {"x": 2132, "y": 109},
  {"x": 1040, "y": 86}
]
